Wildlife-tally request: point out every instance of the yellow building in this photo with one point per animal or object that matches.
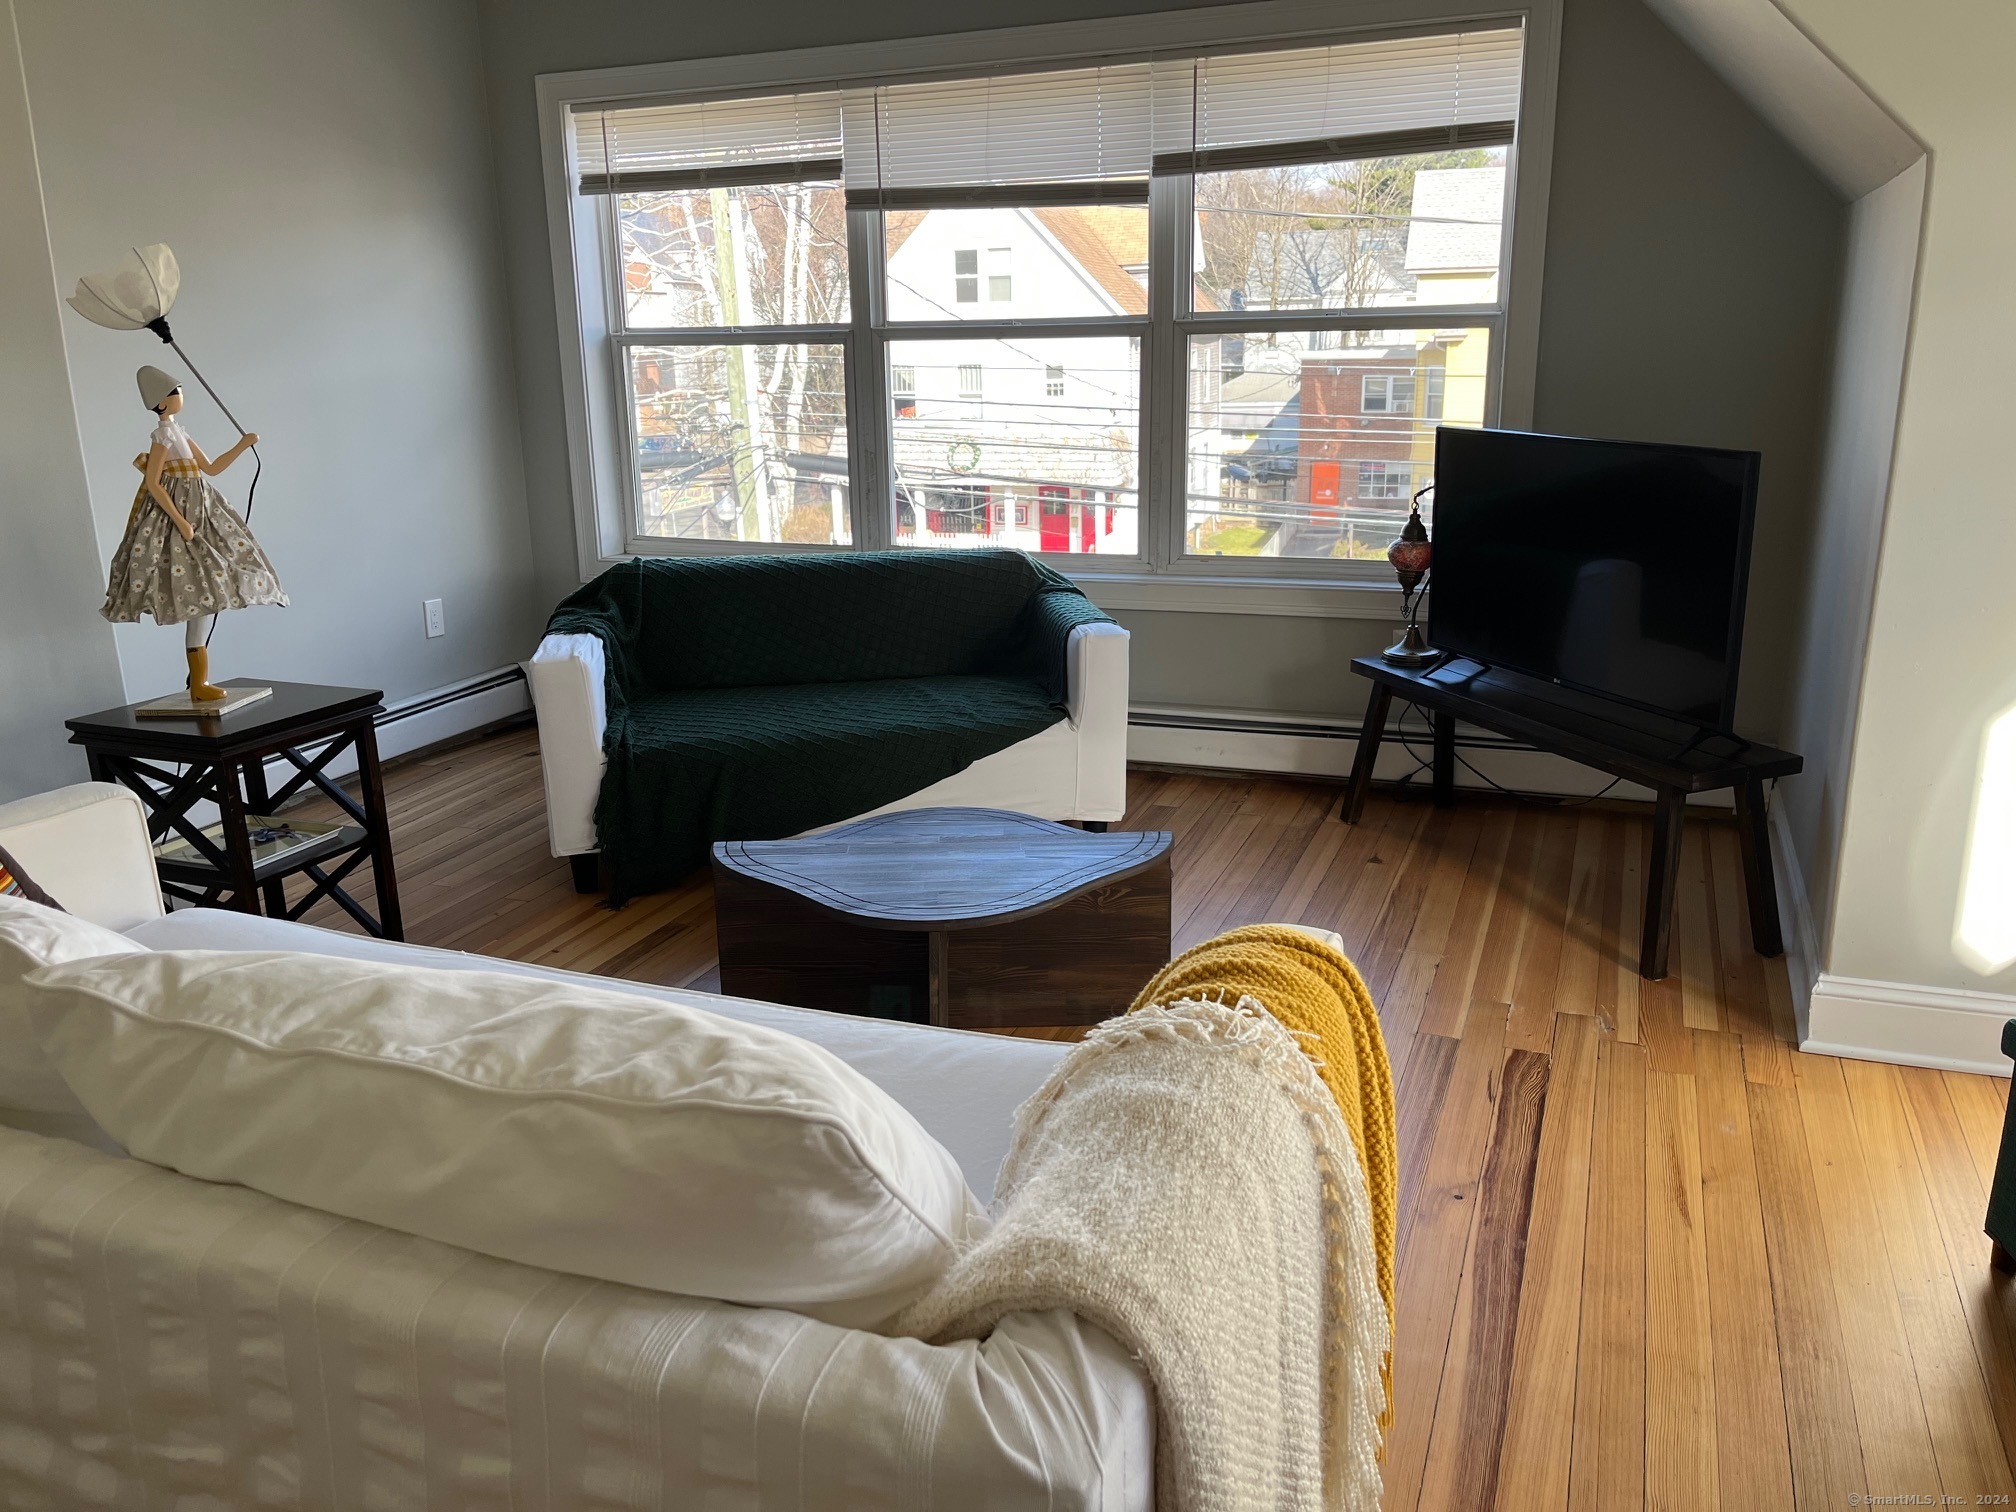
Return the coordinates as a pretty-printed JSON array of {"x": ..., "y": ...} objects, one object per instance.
[{"x": 1454, "y": 237}]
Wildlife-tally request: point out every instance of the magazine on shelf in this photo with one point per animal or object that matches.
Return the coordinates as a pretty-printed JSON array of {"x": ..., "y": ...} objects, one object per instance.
[{"x": 271, "y": 838}]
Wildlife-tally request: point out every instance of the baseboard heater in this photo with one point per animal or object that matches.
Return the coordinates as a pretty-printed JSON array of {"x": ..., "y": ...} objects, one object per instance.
[
  {"x": 503, "y": 677},
  {"x": 1467, "y": 738},
  {"x": 1233, "y": 741}
]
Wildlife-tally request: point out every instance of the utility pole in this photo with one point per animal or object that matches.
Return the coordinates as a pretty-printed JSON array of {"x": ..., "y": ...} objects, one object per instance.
[{"x": 746, "y": 426}]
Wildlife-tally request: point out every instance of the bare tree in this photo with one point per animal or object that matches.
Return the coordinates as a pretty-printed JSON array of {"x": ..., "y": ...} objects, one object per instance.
[
  {"x": 1326, "y": 234},
  {"x": 772, "y": 254}
]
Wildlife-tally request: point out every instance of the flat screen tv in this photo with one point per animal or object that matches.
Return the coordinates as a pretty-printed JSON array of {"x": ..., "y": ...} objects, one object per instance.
[{"x": 1607, "y": 566}]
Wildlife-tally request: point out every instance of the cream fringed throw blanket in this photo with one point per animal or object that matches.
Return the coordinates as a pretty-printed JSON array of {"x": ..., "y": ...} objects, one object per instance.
[{"x": 1185, "y": 1180}]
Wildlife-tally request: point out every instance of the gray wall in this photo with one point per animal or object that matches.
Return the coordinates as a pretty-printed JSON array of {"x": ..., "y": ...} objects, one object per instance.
[
  {"x": 1876, "y": 297},
  {"x": 1693, "y": 265},
  {"x": 1691, "y": 271},
  {"x": 56, "y": 655},
  {"x": 324, "y": 175}
]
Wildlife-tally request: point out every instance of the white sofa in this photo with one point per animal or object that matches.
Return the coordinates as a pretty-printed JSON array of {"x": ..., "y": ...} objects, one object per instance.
[
  {"x": 165, "y": 1340},
  {"x": 1075, "y": 769}
]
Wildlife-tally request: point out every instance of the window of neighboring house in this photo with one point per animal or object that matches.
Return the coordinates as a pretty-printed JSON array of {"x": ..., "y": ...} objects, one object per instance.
[
  {"x": 960, "y": 511},
  {"x": 1344, "y": 295},
  {"x": 1382, "y": 480},
  {"x": 1388, "y": 394}
]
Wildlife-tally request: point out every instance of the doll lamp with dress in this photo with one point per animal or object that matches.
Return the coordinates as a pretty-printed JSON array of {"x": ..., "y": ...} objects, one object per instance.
[{"x": 186, "y": 556}]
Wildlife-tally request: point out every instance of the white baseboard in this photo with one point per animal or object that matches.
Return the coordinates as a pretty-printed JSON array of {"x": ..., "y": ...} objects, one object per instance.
[
  {"x": 421, "y": 720},
  {"x": 1802, "y": 940},
  {"x": 1226, "y": 740},
  {"x": 1946, "y": 1028}
]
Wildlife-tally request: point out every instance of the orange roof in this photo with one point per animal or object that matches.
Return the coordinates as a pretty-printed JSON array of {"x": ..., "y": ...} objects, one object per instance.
[
  {"x": 898, "y": 224},
  {"x": 1104, "y": 240}
]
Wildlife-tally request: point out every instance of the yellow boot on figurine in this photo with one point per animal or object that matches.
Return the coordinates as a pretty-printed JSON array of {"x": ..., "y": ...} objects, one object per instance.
[{"x": 200, "y": 687}]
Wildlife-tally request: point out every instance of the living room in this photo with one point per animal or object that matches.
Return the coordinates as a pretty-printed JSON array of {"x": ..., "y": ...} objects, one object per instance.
[{"x": 1063, "y": 373}]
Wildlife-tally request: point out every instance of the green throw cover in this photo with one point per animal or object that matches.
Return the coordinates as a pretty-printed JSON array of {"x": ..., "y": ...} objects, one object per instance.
[{"x": 753, "y": 697}]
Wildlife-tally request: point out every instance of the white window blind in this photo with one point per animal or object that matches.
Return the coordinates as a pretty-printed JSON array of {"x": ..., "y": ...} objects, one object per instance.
[
  {"x": 708, "y": 144},
  {"x": 1071, "y": 135},
  {"x": 1066, "y": 136},
  {"x": 1352, "y": 100}
]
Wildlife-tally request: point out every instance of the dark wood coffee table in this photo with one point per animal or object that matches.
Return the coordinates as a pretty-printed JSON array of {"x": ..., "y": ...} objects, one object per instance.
[{"x": 976, "y": 918}]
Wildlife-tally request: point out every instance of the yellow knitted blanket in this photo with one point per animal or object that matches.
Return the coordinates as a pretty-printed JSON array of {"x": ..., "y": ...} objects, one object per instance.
[
  {"x": 1192, "y": 1179},
  {"x": 1317, "y": 994}
]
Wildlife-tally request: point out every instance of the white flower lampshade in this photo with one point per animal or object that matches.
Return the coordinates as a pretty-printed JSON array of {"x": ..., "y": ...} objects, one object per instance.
[
  {"x": 137, "y": 295},
  {"x": 134, "y": 296}
]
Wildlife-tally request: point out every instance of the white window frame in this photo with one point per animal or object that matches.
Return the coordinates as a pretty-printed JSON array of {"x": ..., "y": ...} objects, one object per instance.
[
  {"x": 999, "y": 270},
  {"x": 597, "y": 428},
  {"x": 1398, "y": 474},
  {"x": 1385, "y": 381}
]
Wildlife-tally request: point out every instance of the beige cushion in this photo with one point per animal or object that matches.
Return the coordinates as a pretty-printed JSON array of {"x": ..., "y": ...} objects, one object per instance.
[
  {"x": 31, "y": 937},
  {"x": 543, "y": 1122}
]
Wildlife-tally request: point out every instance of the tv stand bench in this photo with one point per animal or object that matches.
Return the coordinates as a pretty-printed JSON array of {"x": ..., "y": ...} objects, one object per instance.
[{"x": 1672, "y": 757}]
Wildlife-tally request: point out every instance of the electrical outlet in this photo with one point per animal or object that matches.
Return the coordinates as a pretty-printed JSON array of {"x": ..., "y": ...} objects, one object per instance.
[{"x": 437, "y": 622}]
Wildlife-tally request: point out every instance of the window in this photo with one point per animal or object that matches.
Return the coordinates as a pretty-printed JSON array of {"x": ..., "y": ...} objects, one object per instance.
[
  {"x": 1353, "y": 233},
  {"x": 1272, "y": 461},
  {"x": 1388, "y": 394},
  {"x": 1382, "y": 480},
  {"x": 716, "y": 460},
  {"x": 1022, "y": 447},
  {"x": 725, "y": 218},
  {"x": 1328, "y": 239},
  {"x": 845, "y": 314}
]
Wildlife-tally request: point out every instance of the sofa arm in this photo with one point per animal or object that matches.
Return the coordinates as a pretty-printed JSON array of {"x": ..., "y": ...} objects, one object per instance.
[
  {"x": 88, "y": 848},
  {"x": 1096, "y": 669},
  {"x": 566, "y": 678}
]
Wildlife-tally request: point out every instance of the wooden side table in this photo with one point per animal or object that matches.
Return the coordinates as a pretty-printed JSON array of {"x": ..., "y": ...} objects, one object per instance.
[
  {"x": 976, "y": 918},
  {"x": 223, "y": 759}
]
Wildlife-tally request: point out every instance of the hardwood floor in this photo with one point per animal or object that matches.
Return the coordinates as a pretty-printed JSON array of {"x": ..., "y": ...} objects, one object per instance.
[{"x": 1650, "y": 1253}]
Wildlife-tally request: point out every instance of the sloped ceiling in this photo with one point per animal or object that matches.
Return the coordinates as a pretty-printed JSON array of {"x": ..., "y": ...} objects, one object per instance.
[{"x": 1813, "y": 102}]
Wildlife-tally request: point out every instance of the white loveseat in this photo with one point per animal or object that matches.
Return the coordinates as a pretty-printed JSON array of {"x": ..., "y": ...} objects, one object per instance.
[
  {"x": 165, "y": 1340},
  {"x": 1075, "y": 769}
]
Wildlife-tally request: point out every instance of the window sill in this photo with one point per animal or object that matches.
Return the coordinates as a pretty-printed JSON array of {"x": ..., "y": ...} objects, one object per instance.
[
  {"x": 1268, "y": 597},
  {"x": 1189, "y": 592}
]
